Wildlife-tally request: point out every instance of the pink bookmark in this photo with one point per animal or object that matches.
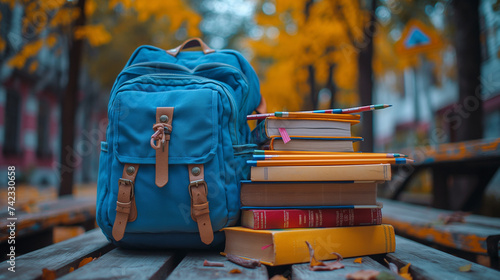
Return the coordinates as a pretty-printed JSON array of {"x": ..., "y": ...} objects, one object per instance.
[
  {"x": 284, "y": 135},
  {"x": 266, "y": 246}
]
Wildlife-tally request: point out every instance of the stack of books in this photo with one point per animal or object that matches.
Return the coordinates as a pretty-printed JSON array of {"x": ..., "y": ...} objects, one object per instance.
[
  {"x": 310, "y": 185},
  {"x": 309, "y": 132}
]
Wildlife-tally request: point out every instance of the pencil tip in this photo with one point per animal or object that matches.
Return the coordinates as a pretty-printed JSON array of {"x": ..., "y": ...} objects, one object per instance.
[
  {"x": 387, "y": 105},
  {"x": 252, "y": 162},
  {"x": 259, "y": 152}
]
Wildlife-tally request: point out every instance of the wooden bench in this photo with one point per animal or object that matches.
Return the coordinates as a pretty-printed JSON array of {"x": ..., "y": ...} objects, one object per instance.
[
  {"x": 34, "y": 228},
  {"x": 116, "y": 263},
  {"x": 473, "y": 236},
  {"x": 477, "y": 161},
  {"x": 472, "y": 162}
]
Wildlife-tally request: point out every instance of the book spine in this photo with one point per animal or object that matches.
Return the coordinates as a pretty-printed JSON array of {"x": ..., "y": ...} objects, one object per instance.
[
  {"x": 297, "y": 218},
  {"x": 368, "y": 172},
  {"x": 258, "y": 135}
]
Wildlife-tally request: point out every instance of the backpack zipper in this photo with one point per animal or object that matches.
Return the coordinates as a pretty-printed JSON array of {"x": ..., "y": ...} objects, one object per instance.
[{"x": 201, "y": 67}]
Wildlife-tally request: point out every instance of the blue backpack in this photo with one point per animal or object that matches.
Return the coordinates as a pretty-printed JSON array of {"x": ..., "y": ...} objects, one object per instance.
[{"x": 177, "y": 145}]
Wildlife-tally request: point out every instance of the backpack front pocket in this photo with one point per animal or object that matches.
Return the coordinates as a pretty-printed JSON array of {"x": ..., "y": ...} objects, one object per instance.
[{"x": 196, "y": 138}]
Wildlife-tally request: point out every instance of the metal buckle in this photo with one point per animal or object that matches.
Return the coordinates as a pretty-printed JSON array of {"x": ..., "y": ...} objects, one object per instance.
[
  {"x": 195, "y": 184},
  {"x": 127, "y": 182}
]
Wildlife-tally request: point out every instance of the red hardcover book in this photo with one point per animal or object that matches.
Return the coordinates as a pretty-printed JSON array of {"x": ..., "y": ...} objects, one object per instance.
[{"x": 310, "y": 218}]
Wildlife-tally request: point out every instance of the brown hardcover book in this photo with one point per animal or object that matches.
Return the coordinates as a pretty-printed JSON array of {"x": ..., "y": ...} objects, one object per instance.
[{"x": 288, "y": 194}]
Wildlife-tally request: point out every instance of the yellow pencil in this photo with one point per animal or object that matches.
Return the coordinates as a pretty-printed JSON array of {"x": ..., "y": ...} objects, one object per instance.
[{"x": 328, "y": 162}]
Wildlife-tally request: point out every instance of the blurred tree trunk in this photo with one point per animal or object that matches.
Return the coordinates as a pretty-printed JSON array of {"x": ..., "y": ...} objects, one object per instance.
[
  {"x": 469, "y": 111},
  {"x": 312, "y": 84},
  {"x": 365, "y": 79},
  {"x": 330, "y": 85},
  {"x": 313, "y": 95},
  {"x": 69, "y": 159}
]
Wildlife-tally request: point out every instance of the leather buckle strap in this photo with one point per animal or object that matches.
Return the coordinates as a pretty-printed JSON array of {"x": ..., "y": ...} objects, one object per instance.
[
  {"x": 124, "y": 207},
  {"x": 198, "y": 209},
  {"x": 163, "y": 129},
  {"x": 126, "y": 210},
  {"x": 198, "y": 190}
]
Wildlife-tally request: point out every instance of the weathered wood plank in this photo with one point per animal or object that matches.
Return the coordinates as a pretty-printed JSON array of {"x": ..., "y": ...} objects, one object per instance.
[
  {"x": 127, "y": 264},
  {"x": 57, "y": 257},
  {"x": 459, "y": 151},
  {"x": 302, "y": 272},
  {"x": 423, "y": 223},
  {"x": 64, "y": 211},
  {"x": 429, "y": 263},
  {"x": 191, "y": 267},
  {"x": 434, "y": 213}
]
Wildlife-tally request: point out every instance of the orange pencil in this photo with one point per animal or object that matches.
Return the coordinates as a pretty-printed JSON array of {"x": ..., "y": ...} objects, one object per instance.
[
  {"x": 328, "y": 162},
  {"x": 310, "y": 153},
  {"x": 320, "y": 157}
]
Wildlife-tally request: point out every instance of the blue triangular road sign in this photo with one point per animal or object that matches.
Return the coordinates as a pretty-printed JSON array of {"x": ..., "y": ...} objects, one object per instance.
[{"x": 416, "y": 37}]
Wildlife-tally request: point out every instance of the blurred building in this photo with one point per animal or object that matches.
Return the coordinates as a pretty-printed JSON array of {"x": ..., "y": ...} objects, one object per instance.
[{"x": 30, "y": 111}]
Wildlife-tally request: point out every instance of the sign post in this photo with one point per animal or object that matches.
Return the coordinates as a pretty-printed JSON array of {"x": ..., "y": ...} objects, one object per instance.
[{"x": 417, "y": 39}]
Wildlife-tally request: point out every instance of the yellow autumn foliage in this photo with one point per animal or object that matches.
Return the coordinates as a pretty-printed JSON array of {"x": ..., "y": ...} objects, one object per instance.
[
  {"x": 50, "y": 5},
  {"x": 3, "y": 44},
  {"x": 281, "y": 96},
  {"x": 44, "y": 20},
  {"x": 90, "y": 7},
  {"x": 95, "y": 34},
  {"x": 65, "y": 17},
  {"x": 177, "y": 12},
  {"x": 33, "y": 66},
  {"x": 51, "y": 40},
  {"x": 29, "y": 50},
  {"x": 11, "y": 3},
  {"x": 325, "y": 37}
]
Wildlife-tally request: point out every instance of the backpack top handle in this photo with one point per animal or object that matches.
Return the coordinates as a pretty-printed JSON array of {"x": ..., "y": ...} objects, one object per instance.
[{"x": 193, "y": 42}]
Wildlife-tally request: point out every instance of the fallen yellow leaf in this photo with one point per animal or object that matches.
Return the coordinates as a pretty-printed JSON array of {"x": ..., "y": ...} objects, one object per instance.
[
  {"x": 406, "y": 276},
  {"x": 235, "y": 271},
  {"x": 358, "y": 260},
  {"x": 404, "y": 272},
  {"x": 465, "y": 268},
  {"x": 85, "y": 261},
  {"x": 312, "y": 259},
  {"x": 316, "y": 265},
  {"x": 405, "y": 268},
  {"x": 48, "y": 274}
]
